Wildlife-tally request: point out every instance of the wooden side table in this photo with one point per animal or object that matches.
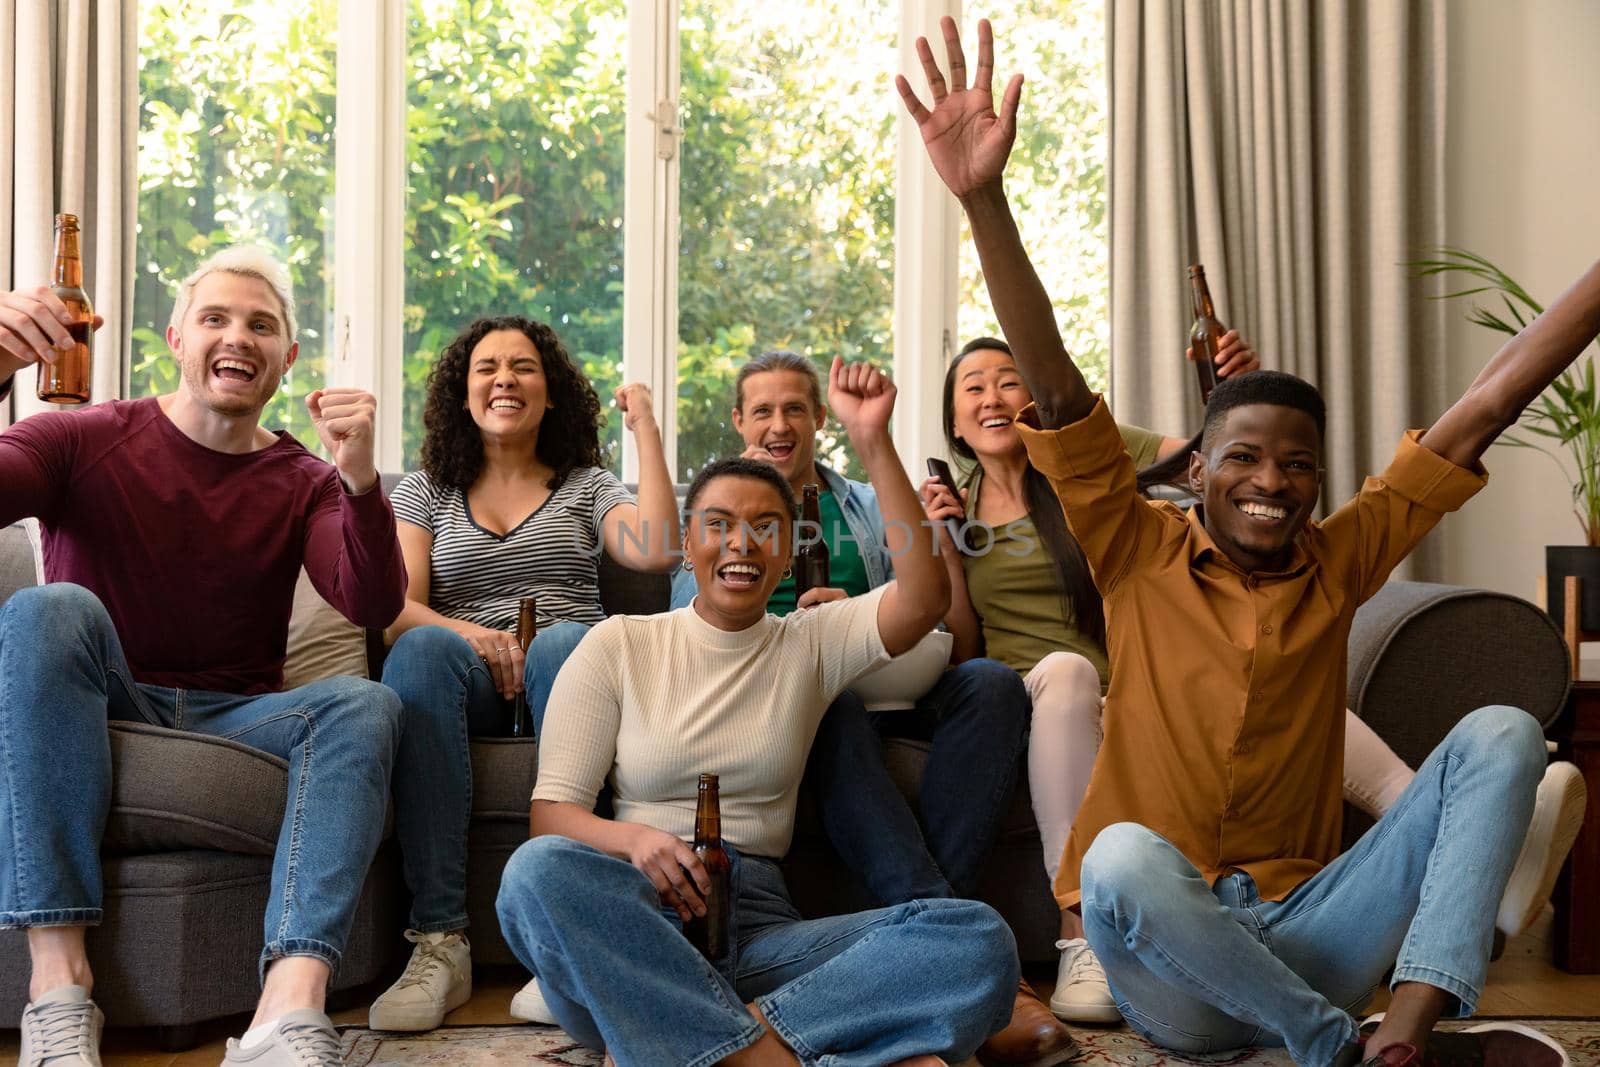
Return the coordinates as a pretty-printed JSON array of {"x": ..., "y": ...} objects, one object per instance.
[{"x": 1577, "y": 895}]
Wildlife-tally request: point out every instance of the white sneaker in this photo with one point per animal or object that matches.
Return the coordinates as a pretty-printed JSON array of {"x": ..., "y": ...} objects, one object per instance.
[
  {"x": 437, "y": 981},
  {"x": 529, "y": 1006},
  {"x": 1082, "y": 994},
  {"x": 61, "y": 1029},
  {"x": 1557, "y": 816},
  {"x": 304, "y": 1038}
]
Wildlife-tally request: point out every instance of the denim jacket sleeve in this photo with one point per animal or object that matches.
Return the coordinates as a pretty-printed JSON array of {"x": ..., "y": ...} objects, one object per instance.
[
  {"x": 683, "y": 588},
  {"x": 859, "y": 503}
]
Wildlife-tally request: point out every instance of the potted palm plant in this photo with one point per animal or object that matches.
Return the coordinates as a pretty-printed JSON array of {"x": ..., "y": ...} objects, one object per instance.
[{"x": 1563, "y": 423}]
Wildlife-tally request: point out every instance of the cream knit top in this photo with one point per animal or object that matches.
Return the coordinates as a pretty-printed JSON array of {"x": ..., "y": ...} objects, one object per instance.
[{"x": 652, "y": 701}]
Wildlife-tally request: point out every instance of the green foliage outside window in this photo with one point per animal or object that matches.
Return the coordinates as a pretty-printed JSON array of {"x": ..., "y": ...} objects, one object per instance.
[{"x": 514, "y": 159}]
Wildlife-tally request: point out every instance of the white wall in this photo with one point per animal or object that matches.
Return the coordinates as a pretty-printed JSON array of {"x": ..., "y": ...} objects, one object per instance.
[{"x": 1523, "y": 166}]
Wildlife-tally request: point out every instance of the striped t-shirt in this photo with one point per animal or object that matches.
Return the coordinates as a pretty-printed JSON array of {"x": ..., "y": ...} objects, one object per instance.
[{"x": 553, "y": 554}]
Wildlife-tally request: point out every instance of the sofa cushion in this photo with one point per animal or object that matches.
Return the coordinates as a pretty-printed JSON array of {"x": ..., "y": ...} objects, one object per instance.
[
  {"x": 1423, "y": 655},
  {"x": 172, "y": 790},
  {"x": 322, "y": 643},
  {"x": 18, "y": 564},
  {"x": 503, "y": 769}
]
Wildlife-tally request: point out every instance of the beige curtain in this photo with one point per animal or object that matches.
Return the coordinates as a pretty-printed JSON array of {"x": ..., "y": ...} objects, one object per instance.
[
  {"x": 1296, "y": 148},
  {"x": 69, "y": 114}
]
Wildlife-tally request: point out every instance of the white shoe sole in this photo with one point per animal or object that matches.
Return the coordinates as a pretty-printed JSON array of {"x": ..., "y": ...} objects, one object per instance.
[
  {"x": 1557, "y": 818},
  {"x": 528, "y": 1005},
  {"x": 415, "y": 1018},
  {"x": 1097, "y": 1014},
  {"x": 1528, "y": 1032}
]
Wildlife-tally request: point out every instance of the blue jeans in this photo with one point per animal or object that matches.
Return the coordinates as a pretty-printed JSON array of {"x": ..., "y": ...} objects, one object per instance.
[
  {"x": 976, "y": 717},
  {"x": 449, "y": 696},
  {"x": 927, "y": 976},
  {"x": 1198, "y": 968},
  {"x": 63, "y": 675}
]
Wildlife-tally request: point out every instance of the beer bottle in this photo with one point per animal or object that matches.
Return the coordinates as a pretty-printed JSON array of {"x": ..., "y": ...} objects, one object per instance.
[
  {"x": 810, "y": 560},
  {"x": 710, "y": 934},
  {"x": 66, "y": 381},
  {"x": 527, "y": 627},
  {"x": 1205, "y": 337}
]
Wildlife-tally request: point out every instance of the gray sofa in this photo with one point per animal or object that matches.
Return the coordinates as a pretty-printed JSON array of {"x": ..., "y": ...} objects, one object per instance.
[{"x": 188, "y": 854}]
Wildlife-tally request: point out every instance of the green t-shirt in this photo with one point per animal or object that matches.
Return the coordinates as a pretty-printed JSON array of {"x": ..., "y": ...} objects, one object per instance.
[
  {"x": 1014, "y": 588},
  {"x": 846, "y": 570}
]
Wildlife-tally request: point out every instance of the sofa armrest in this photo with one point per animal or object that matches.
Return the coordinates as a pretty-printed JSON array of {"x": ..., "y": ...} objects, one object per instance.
[{"x": 1422, "y": 655}]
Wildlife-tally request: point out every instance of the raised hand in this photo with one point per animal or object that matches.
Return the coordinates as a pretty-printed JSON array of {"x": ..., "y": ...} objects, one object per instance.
[
  {"x": 634, "y": 401},
  {"x": 967, "y": 142},
  {"x": 1234, "y": 356},
  {"x": 33, "y": 329},
  {"x": 344, "y": 420},
  {"x": 861, "y": 397}
]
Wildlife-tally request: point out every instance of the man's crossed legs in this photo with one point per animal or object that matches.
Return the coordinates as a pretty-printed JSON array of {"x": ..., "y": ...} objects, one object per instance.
[{"x": 1197, "y": 968}]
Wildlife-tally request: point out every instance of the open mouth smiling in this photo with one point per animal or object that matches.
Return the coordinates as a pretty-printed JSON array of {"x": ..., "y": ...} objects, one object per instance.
[
  {"x": 234, "y": 370},
  {"x": 741, "y": 575}
]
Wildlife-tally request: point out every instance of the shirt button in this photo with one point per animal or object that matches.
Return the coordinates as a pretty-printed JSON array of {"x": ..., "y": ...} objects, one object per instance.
[
  {"x": 1243, "y": 748},
  {"x": 1267, "y": 629}
]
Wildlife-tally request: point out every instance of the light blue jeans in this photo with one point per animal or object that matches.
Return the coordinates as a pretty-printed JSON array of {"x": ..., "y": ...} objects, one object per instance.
[
  {"x": 1199, "y": 968},
  {"x": 63, "y": 675},
  {"x": 449, "y": 696},
  {"x": 865, "y": 989}
]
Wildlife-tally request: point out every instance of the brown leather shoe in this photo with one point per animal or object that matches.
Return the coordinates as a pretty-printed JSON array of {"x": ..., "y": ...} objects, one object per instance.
[{"x": 1033, "y": 1038}]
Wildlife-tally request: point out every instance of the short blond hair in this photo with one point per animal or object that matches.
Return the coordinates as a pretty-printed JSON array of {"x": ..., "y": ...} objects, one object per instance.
[{"x": 251, "y": 261}]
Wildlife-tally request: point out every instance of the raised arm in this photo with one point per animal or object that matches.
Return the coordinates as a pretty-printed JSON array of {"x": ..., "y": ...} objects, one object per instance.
[
  {"x": 968, "y": 144},
  {"x": 1518, "y": 373},
  {"x": 653, "y": 521},
  {"x": 861, "y": 397}
]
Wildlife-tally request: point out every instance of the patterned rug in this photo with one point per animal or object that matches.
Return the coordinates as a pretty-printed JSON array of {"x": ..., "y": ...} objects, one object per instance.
[{"x": 484, "y": 1046}]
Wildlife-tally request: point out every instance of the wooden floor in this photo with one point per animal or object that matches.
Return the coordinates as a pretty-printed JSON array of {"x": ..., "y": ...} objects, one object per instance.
[{"x": 1523, "y": 982}]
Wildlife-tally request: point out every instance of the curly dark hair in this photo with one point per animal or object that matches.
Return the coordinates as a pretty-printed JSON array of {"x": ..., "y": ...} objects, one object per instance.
[{"x": 569, "y": 436}]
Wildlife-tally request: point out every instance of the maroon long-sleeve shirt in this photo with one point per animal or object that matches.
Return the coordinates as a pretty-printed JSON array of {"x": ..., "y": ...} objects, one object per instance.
[{"x": 195, "y": 553}]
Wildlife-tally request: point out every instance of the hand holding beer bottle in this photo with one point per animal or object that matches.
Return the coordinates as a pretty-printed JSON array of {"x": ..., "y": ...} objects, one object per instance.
[
  {"x": 709, "y": 930},
  {"x": 50, "y": 325},
  {"x": 1216, "y": 351}
]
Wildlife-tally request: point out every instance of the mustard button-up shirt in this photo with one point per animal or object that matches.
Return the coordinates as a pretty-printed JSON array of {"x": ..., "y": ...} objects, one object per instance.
[{"x": 1224, "y": 720}]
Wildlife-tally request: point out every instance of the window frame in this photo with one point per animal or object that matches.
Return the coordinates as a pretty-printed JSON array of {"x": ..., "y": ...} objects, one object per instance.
[{"x": 369, "y": 244}]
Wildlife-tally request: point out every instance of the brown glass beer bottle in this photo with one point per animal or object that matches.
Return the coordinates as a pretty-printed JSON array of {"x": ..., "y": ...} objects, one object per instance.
[
  {"x": 710, "y": 933},
  {"x": 810, "y": 559},
  {"x": 1205, "y": 337},
  {"x": 527, "y": 629},
  {"x": 66, "y": 381}
]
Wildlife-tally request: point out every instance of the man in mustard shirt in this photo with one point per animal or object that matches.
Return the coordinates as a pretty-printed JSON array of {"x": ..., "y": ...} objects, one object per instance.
[{"x": 1205, "y": 856}]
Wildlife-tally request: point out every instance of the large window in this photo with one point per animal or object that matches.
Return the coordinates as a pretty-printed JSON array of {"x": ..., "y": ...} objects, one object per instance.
[
  {"x": 786, "y": 237},
  {"x": 1056, "y": 180},
  {"x": 514, "y": 159},
  {"x": 235, "y": 145},
  {"x": 674, "y": 185}
]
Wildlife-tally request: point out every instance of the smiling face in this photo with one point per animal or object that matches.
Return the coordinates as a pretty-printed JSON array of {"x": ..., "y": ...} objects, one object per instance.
[
  {"x": 232, "y": 345},
  {"x": 506, "y": 388},
  {"x": 988, "y": 392},
  {"x": 776, "y": 414},
  {"x": 1259, "y": 480},
  {"x": 738, "y": 539}
]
